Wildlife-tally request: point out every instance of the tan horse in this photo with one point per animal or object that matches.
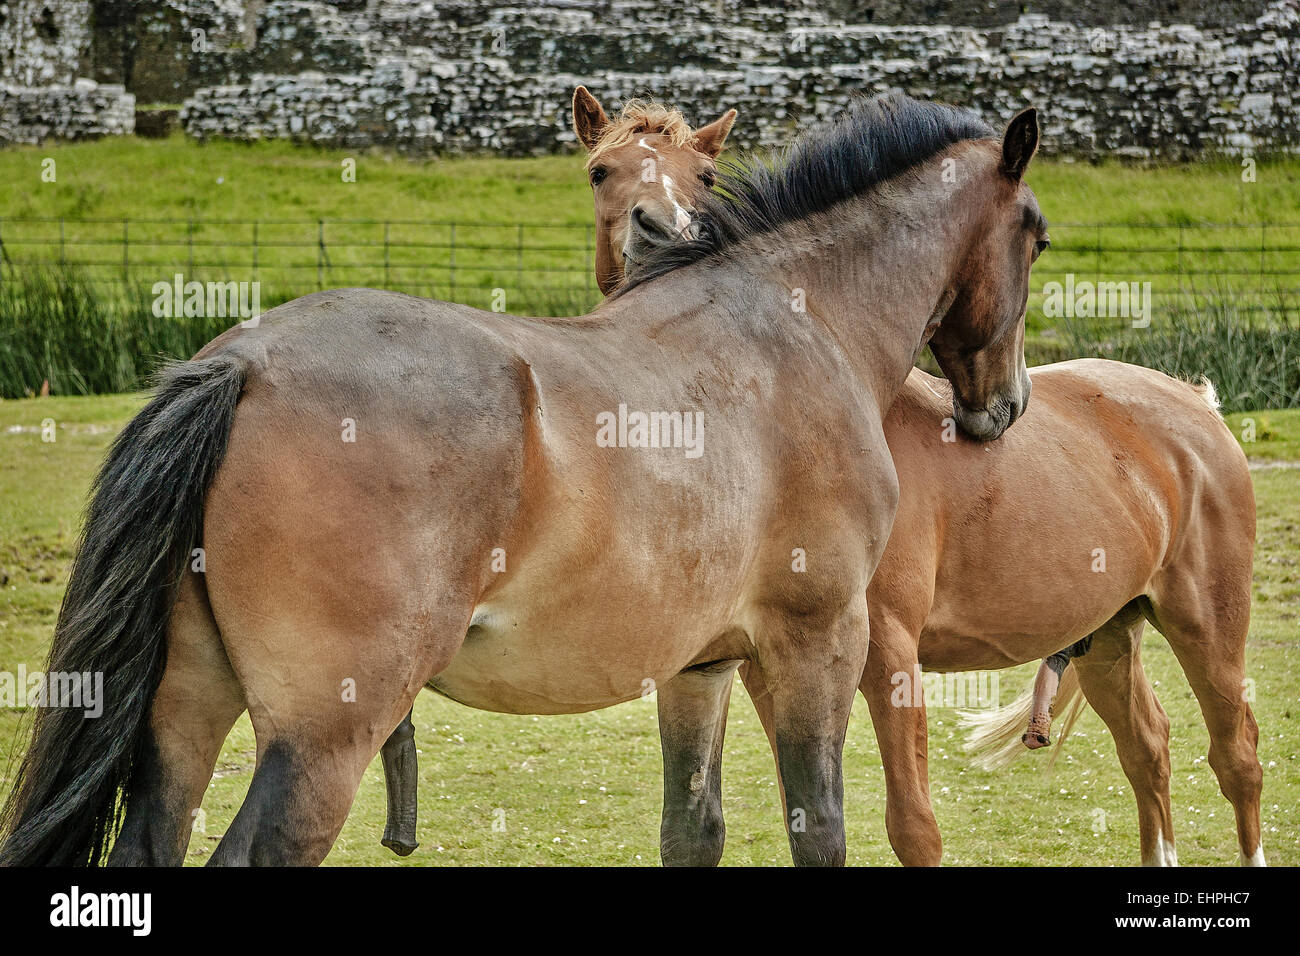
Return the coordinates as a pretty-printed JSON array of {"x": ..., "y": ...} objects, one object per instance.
[
  {"x": 391, "y": 492},
  {"x": 1122, "y": 497}
]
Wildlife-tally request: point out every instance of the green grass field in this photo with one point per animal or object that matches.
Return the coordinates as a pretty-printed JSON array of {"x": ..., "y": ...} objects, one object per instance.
[
  {"x": 1153, "y": 221},
  {"x": 279, "y": 180},
  {"x": 586, "y": 789}
]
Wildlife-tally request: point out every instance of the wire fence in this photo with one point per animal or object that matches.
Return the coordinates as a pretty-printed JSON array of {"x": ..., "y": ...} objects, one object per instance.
[
  {"x": 549, "y": 266},
  {"x": 538, "y": 263}
]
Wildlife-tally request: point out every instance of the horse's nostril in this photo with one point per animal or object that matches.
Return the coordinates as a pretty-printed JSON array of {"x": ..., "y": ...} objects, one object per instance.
[{"x": 649, "y": 225}]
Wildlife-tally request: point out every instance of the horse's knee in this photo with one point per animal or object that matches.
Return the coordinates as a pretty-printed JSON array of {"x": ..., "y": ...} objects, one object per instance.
[
  {"x": 822, "y": 848},
  {"x": 1239, "y": 772}
]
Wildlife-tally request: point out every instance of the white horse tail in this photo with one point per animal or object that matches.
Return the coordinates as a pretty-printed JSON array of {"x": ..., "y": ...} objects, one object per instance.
[{"x": 993, "y": 738}]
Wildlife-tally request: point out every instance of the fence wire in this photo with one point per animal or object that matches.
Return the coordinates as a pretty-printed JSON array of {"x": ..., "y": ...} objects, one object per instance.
[{"x": 1255, "y": 264}]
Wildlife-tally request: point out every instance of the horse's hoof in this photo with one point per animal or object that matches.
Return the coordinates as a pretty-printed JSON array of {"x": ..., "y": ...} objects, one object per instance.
[
  {"x": 400, "y": 847},
  {"x": 1035, "y": 741}
]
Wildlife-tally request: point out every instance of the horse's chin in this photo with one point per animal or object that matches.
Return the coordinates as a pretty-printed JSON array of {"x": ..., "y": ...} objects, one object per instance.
[{"x": 983, "y": 424}]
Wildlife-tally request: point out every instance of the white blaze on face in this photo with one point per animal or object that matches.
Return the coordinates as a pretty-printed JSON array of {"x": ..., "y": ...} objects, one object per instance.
[{"x": 681, "y": 218}]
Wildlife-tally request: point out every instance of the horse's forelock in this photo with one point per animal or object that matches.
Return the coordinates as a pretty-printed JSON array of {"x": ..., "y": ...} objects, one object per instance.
[{"x": 642, "y": 118}]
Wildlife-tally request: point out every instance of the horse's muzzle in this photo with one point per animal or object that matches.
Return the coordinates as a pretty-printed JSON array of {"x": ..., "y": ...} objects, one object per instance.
[{"x": 988, "y": 423}]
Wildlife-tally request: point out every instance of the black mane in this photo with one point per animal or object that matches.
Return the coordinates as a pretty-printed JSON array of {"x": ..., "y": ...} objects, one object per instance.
[{"x": 870, "y": 141}]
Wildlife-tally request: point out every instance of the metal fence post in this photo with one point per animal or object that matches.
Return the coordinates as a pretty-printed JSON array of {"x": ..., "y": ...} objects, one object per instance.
[
  {"x": 386, "y": 280},
  {"x": 254, "y": 250},
  {"x": 320, "y": 253},
  {"x": 1263, "y": 235},
  {"x": 189, "y": 237},
  {"x": 1181, "y": 228},
  {"x": 519, "y": 258},
  {"x": 126, "y": 251},
  {"x": 451, "y": 295}
]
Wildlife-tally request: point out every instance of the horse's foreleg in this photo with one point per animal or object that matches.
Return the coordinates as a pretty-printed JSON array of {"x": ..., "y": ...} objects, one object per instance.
[
  {"x": 1116, "y": 686},
  {"x": 812, "y": 671},
  {"x": 902, "y": 734},
  {"x": 692, "y": 722},
  {"x": 401, "y": 778}
]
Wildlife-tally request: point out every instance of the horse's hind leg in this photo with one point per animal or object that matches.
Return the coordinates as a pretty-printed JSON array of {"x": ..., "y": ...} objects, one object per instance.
[
  {"x": 308, "y": 772},
  {"x": 1116, "y": 686},
  {"x": 327, "y": 681},
  {"x": 197, "y": 703},
  {"x": 1206, "y": 625},
  {"x": 401, "y": 780},
  {"x": 692, "y": 722}
]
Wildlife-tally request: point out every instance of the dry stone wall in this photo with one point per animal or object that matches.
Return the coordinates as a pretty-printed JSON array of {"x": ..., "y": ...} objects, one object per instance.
[
  {"x": 1173, "y": 78},
  {"x": 43, "y": 92}
]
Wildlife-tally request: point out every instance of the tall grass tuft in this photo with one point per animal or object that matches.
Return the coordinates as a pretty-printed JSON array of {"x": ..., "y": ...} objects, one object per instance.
[
  {"x": 84, "y": 338},
  {"x": 88, "y": 337},
  {"x": 1252, "y": 359}
]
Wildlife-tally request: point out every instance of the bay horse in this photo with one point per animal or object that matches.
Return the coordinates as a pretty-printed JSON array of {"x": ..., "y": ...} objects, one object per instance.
[
  {"x": 389, "y": 493},
  {"x": 1121, "y": 460},
  {"x": 653, "y": 162}
]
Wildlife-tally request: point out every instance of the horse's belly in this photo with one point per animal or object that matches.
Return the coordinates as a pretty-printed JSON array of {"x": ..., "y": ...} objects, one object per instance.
[
  {"x": 943, "y": 649},
  {"x": 517, "y": 659},
  {"x": 969, "y": 635}
]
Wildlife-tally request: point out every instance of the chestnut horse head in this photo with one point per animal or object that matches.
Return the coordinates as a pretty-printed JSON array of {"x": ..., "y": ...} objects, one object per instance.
[{"x": 645, "y": 167}]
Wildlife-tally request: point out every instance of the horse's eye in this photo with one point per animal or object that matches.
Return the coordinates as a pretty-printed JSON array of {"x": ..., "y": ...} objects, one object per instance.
[
  {"x": 598, "y": 175},
  {"x": 1041, "y": 246},
  {"x": 708, "y": 177}
]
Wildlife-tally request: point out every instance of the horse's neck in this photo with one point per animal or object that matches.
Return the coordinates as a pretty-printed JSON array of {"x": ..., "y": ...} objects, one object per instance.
[{"x": 874, "y": 273}]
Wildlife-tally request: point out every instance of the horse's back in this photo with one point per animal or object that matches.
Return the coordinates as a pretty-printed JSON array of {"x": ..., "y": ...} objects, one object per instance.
[
  {"x": 1171, "y": 428},
  {"x": 1114, "y": 474}
]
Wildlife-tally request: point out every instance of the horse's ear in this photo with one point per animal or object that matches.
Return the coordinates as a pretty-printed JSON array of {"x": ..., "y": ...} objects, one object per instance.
[
  {"x": 1019, "y": 143},
  {"x": 589, "y": 119},
  {"x": 709, "y": 139}
]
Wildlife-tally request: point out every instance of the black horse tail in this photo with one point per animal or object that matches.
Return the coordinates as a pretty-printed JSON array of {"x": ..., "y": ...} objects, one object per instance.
[{"x": 145, "y": 514}]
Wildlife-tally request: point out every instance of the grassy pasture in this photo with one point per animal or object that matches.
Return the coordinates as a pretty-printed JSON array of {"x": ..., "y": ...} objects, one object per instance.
[
  {"x": 586, "y": 789},
  {"x": 524, "y": 225}
]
